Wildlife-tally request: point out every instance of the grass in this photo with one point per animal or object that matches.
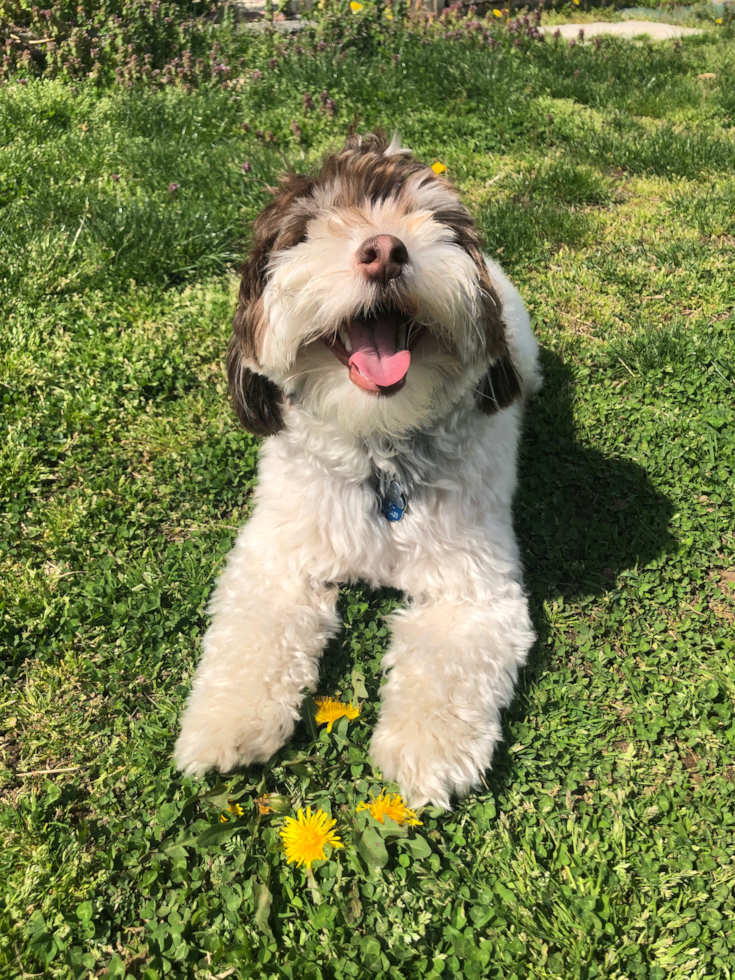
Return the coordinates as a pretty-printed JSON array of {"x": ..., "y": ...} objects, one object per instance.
[{"x": 604, "y": 844}]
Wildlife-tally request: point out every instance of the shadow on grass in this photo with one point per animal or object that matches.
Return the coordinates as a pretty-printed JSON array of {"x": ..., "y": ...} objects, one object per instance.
[{"x": 582, "y": 518}]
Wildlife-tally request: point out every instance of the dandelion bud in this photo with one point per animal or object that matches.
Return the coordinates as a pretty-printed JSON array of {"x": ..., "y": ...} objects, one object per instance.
[{"x": 273, "y": 803}]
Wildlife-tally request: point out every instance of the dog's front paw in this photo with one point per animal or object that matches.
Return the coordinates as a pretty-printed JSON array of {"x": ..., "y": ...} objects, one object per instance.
[
  {"x": 215, "y": 735},
  {"x": 432, "y": 759}
]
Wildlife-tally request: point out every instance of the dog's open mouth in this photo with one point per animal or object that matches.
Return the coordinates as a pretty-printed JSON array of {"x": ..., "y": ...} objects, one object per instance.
[{"x": 377, "y": 349}]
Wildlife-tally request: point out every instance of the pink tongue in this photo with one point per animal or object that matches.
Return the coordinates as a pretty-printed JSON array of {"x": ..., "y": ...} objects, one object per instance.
[{"x": 374, "y": 352}]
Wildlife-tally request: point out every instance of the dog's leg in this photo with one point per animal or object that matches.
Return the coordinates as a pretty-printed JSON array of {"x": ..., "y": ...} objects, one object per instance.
[
  {"x": 270, "y": 624},
  {"x": 452, "y": 666}
]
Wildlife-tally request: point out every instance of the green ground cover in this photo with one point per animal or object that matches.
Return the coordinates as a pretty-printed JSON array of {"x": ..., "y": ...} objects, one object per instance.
[{"x": 604, "y": 843}]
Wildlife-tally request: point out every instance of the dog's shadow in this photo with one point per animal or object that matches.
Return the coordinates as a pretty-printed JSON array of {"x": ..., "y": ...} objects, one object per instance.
[{"x": 582, "y": 517}]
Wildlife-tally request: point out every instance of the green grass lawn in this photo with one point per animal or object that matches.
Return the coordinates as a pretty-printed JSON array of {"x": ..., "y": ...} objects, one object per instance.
[{"x": 604, "y": 843}]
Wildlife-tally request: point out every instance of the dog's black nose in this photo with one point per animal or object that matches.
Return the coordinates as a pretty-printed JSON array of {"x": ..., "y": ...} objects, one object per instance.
[{"x": 382, "y": 258}]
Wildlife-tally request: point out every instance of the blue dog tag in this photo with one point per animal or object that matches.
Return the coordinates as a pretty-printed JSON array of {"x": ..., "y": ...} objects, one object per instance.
[{"x": 393, "y": 504}]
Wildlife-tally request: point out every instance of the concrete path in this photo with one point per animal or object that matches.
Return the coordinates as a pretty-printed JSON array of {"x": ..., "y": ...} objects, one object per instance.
[{"x": 624, "y": 28}]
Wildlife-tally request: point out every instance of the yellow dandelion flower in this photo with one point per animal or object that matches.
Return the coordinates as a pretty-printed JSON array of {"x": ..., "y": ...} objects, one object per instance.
[
  {"x": 438, "y": 168},
  {"x": 388, "y": 15},
  {"x": 331, "y": 711},
  {"x": 719, "y": 20},
  {"x": 235, "y": 809},
  {"x": 575, "y": 2},
  {"x": 391, "y": 805},
  {"x": 355, "y": 7},
  {"x": 305, "y": 837},
  {"x": 497, "y": 13}
]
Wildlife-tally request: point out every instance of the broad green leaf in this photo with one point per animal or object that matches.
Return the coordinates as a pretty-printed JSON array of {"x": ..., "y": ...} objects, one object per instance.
[
  {"x": 309, "y": 709},
  {"x": 84, "y": 911},
  {"x": 358, "y": 684},
  {"x": 263, "y": 902},
  {"x": 371, "y": 847},
  {"x": 370, "y": 950},
  {"x": 217, "y": 834},
  {"x": 418, "y": 847}
]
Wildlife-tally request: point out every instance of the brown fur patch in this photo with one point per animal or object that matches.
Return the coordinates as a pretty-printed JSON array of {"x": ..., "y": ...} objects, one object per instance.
[
  {"x": 499, "y": 386},
  {"x": 258, "y": 402}
]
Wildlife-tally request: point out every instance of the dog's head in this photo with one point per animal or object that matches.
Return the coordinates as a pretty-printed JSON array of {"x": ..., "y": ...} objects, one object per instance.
[{"x": 366, "y": 299}]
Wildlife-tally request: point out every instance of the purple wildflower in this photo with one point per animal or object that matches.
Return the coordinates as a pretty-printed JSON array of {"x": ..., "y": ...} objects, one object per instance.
[
  {"x": 246, "y": 168},
  {"x": 115, "y": 177},
  {"x": 172, "y": 188}
]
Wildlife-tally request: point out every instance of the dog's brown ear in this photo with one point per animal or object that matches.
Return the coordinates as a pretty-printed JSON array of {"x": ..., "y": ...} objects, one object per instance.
[
  {"x": 499, "y": 386},
  {"x": 258, "y": 402}
]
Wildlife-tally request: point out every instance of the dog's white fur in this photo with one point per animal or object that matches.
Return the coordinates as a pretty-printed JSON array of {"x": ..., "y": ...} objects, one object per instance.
[{"x": 457, "y": 646}]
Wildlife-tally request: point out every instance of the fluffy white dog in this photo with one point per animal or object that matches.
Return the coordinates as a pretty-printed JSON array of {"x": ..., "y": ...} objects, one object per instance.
[{"x": 387, "y": 361}]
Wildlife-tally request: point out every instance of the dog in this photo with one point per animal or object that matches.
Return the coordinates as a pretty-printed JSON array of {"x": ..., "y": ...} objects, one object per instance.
[{"x": 386, "y": 361}]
